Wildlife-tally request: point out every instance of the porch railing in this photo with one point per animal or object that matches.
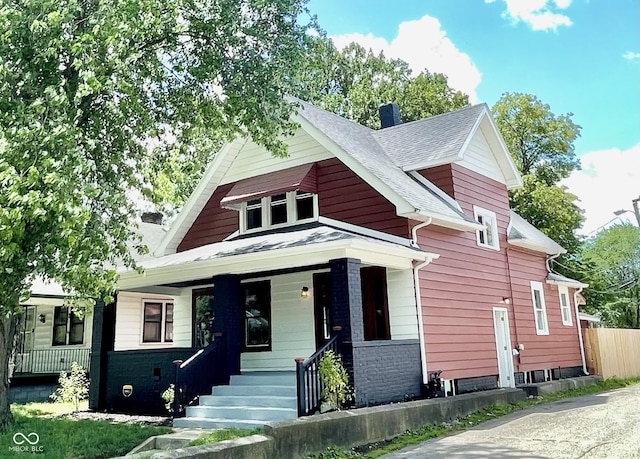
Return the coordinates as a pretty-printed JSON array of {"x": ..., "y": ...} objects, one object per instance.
[
  {"x": 308, "y": 381},
  {"x": 199, "y": 373},
  {"x": 50, "y": 361}
]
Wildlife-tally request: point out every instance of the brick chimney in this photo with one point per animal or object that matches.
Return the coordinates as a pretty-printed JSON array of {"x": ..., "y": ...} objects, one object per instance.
[
  {"x": 152, "y": 217},
  {"x": 389, "y": 115}
]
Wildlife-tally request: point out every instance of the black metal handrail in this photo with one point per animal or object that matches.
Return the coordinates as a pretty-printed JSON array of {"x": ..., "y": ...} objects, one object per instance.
[
  {"x": 308, "y": 381},
  {"x": 199, "y": 373}
]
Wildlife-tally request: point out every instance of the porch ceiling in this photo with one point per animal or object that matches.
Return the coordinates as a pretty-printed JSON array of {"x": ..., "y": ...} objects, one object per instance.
[{"x": 269, "y": 252}]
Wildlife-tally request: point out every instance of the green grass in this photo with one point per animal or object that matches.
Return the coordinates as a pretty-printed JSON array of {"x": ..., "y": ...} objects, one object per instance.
[
  {"x": 224, "y": 434},
  {"x": 66, "y": 438},
  {"x": 428, "y": 432}
]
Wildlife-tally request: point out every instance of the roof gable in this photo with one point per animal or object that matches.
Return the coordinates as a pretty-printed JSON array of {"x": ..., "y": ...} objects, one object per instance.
[{"x": 523, "y": 234}]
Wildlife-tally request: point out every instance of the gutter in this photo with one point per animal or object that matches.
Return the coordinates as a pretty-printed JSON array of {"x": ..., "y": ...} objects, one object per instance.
[
  {"x": 575, "y": 303},
  {"x": 417, "y": 291}
]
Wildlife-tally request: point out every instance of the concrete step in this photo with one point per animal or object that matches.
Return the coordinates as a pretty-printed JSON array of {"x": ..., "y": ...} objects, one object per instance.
[
  {"x": 242, "y": 412},
  {"x": 215, "y": 423},
  {"x": 249, "y": 400},
  {"x": 260, "y": 378},
  {"x": 251, "y": 390}
]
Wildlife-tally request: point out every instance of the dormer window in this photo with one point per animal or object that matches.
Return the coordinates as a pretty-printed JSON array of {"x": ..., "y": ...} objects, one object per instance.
[
  {"x": 488, "y": 236},
  {"x": 278, "y": 211}
]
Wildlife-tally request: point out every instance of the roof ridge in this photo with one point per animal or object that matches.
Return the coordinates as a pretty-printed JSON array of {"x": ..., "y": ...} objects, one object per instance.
[
  {"x": 335, "y": 115},
  {"x": 440, "y": 115}
]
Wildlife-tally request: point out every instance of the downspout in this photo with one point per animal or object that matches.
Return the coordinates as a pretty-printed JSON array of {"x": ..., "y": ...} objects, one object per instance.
[
  {"x": 575, "y": 303},
  {"x": 549, "y": 259},
  {"x": 416, "y": 289}
]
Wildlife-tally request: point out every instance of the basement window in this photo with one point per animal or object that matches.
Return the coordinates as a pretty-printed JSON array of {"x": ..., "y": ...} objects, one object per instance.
[{"x": 487, "y": 237}]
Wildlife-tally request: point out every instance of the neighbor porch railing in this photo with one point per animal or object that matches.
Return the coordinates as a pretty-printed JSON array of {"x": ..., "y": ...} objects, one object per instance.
[
  {"x": 50, "y": 361},
  {"x": 308, "y": 381},
  {"x": 199, "y": 373}
]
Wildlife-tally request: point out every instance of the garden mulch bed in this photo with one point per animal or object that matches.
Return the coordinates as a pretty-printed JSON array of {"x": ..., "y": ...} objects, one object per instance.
[{"x": 115, "y": 418}]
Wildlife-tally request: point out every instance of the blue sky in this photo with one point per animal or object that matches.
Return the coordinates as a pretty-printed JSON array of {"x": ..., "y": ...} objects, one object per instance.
[{"x": 578, "y": 56}]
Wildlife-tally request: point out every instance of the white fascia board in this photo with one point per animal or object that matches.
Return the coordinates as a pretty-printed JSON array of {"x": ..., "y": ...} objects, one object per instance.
[
  {"x": 450, "y": 158},
  {"x": 394, "y": 257},
  {"x": 527, "y": 244},
  {"x": 515, "y": 181},
  {"x": 427, "y": 183},
  {"x": 398, "y": 201},
  {"x": 194, "y": 204},
  {"x": 441, "y": 220},
  {"x": 589, "y": 317},
  {"x": 572, "y": 284},
  {"x": 364, "y": 231}
]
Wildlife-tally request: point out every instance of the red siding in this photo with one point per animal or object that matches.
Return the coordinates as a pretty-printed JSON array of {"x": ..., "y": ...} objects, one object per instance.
[
  {"x": 213, "y": 224},
  {"x": 460, "y": 289},
  {"x": 561, "y": 347},
  {"x": 344, "y": 196}
]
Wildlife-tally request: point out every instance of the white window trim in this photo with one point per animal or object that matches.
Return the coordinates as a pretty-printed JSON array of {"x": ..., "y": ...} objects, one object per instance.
[
  {"x": 563, "y": 289},
  {"x": 539, "y": 287},
  {"x": 477, "y": 211},
  {"x": 163, "y": 322},
  {"x": 292, "y": 218}
]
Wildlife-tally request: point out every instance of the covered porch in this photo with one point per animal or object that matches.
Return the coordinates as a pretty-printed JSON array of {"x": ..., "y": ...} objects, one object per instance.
[{"x": 270, "y": 299}]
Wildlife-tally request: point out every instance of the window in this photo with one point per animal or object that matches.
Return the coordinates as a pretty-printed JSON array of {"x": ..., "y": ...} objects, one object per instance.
[
  {"x": 257, "y": 316},
  {"x": 375, "y": 309},
  {"x": 278, "y": 210},
  {"x": 157, "y": 322},
  {"x": 487, "y": 237},
  {"x": 565, "y": 305},
  {"x": 68, "y": 328},
  {"x": 539, "y": 308}
]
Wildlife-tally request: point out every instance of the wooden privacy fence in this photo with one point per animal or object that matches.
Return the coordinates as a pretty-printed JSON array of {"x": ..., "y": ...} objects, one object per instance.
[{"x": 612, "y": 352}]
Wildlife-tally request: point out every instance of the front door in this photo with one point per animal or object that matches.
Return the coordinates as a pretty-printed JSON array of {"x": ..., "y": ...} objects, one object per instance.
[
  {"x": 503, "y": 347},
  {"x": 203, "y": 317},
  {"x": 322, "y": 307}
]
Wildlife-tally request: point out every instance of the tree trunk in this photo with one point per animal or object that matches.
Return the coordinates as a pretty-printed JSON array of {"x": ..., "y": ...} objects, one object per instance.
[{"x": 6, "y": 344}]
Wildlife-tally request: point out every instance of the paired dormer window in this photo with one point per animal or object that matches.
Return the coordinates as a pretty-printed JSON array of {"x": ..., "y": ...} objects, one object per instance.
[
  {"x": 278, "y": 211},
  {"x": 488, "y": 236}
]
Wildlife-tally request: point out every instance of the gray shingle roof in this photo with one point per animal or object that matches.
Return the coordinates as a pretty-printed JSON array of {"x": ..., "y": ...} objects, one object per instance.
[
  {"x": 435, "y": 139},
  {"x": 359, "y": 142},
  {"x": 524, "y": 233}
]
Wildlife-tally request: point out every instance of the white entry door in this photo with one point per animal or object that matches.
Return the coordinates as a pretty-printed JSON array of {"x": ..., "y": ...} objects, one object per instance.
[{"x": 503, "y": 347}]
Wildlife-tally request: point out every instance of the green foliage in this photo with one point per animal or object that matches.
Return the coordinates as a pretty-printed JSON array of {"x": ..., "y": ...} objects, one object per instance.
[
  {"x": 224, "y": 434},
  {"x": 168, "y": 396},
  {"x": 354, "y": 83},
  {"x": 73, "y": 386},
  {"x": 611, "y": 261},
  {"x": 335, "y": 381},
  {"x": 64, "y": 438},
  {"x": 540, "y": 142},
  {"x": 550, "y": 208}
]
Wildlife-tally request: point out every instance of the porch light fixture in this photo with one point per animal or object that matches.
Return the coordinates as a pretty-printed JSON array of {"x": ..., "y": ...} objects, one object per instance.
[
  {"x": 305, "y": 293},
  {"x": 42, "y": 318},
  {"x": 506, "y": 300}
]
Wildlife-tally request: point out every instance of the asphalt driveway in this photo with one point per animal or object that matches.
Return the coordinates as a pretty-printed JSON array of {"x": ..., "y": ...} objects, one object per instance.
[{"x": 605, "y": 425}]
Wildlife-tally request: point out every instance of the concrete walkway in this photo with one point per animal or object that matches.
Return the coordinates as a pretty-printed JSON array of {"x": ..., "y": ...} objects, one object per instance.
[{"x": 605, "y": 425}]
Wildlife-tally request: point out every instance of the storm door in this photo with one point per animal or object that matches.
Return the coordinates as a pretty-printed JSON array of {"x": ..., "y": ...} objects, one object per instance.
[
  {"x": 203, "y": 317},
  {"x": 322, "y": 307}
]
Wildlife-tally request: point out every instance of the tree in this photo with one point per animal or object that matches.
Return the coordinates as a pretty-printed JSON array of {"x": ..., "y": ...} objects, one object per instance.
[
  {"x": 541, "y": 145},
  {"x": 612, "y": 263},
  {"x": 354, "y": 83},
  {"x": 85, "y": 86},
  {"x": 540, "y": 142}
]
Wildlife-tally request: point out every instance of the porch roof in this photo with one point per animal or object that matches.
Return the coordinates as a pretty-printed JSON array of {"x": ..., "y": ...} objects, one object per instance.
[{"x": 278, "y": 250}]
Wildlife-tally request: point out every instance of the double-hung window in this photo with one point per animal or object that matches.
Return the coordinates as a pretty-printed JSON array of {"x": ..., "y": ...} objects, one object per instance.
[
  {"x": 157, "y": 317},
  {"x": 539, "y": 308},
  {"x": 68, "y": 328},
  {"x": 565, "y": 305},
  {"x": 488, "y": 236}
]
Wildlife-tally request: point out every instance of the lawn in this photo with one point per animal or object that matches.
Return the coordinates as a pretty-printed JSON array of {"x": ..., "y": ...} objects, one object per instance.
[{"x": 62, "y": 437}]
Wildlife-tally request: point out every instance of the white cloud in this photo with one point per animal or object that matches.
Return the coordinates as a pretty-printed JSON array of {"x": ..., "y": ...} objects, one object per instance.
[
  {"x": 608, "y": 181},
  {"x": 424, "y": 45},
  {"x": 631, "y": 56},
  {"x": 539, "y": 14}
]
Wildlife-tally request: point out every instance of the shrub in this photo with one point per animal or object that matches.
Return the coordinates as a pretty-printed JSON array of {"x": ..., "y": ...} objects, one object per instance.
[
  {"x": 335, "y": 380},
  {"x": 73, "y": 386}
]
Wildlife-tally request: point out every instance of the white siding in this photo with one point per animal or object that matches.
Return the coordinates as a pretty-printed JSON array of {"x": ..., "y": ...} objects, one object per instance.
[
  {"x": 43, "y": 332},
  {"x": 253, "y": 160},
  {"x": 479, "y": 158},
  {"x": 128, "y": 334},
  {"x": 402, "y": 304},
  {"x": 292, "y": 325}
]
